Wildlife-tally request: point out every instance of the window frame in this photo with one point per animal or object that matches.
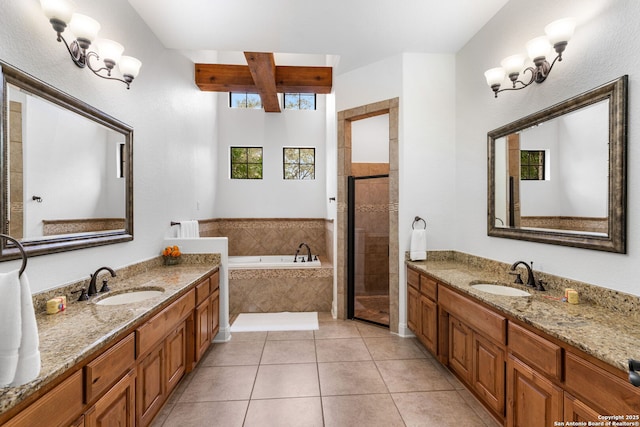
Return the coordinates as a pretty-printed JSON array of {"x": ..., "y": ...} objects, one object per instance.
[
  {"x": 299, "y": 95},
  {"x": 298, "y": 163},
  {"x": 541, "y": 166},
  {"x": 247, "y": 163},
  {"x": 246, "y": 96}
]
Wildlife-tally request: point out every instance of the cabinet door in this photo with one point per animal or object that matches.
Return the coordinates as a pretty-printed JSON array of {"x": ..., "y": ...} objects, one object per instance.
[
  {"x": 203, "y": 328},
  {"x": 533, "y": 401},
  {"x": 151, "y": 389},
  {"x": 176, "y": 351},
  {"x": 489, "y": 372},
  {"x": 117, "y": 406},
  {"x": 215, "y": 313},
  {"x": 460, "y": 348},
  {"x": 413, "y": 309},
  {"x": 575, "y": 410},
  {"x": 428, "y": 326}
]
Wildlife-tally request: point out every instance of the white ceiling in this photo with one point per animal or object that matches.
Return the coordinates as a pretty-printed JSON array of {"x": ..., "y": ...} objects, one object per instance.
[{"x": 358, "y": 32}]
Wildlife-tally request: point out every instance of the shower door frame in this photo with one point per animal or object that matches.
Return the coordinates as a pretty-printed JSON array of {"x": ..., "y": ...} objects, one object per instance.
[
  {"x": 351, "y": 239},
  {"x": 345, "y": 118}
]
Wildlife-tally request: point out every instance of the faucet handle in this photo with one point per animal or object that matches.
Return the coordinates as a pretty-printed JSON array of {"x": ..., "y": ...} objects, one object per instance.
[
  {"x": 518, "y": 278},
  {"x": 105, "y": 286},
  {"x": 83, "y": 294},
  {"x": 540, "y": 285}
]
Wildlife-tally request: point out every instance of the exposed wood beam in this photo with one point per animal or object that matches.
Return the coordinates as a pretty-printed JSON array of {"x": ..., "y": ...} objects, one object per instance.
[
  {"x": 263, "y": 70},
  {"x": 237, "y": 78}
]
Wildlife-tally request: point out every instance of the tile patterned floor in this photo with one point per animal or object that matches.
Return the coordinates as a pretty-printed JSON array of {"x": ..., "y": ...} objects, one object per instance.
[{"x": 345, "y": 374}]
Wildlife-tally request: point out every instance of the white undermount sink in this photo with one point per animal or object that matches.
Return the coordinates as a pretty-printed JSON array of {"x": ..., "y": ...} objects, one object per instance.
[
  {"x": 129, "y": 297},
  {"x": 500, "y": 290}
]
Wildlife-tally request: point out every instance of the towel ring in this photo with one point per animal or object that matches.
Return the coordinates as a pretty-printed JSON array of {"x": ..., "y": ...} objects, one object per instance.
[
  {"x": 21, "y": 248},
  {"x": 418, "y": 219}
]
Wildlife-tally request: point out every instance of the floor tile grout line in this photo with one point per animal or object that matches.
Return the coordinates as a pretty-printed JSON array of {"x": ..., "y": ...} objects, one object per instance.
[
  {"x": 255, "y": 378},
  {"x": 315, "y": 346}
]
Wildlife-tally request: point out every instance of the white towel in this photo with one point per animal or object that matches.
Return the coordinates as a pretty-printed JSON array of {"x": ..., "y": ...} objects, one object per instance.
[
  {"x": 29, "y": 355},
  {"x": 418, "y": 249},
  {"x": 11, "y": 330},
  {"x": 188, "y": 229}
]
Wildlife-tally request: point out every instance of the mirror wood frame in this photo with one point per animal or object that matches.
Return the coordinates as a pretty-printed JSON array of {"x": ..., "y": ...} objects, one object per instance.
[
  {"x": 615, "y": 240},
  {"x": 60, "y": 243}
]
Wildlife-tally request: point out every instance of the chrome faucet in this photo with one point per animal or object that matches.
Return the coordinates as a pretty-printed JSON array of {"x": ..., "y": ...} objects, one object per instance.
[
  {"x": 531, "y": 280},
  {"x": 92, "y": 285},
  {"x": 308, "y": 252}
]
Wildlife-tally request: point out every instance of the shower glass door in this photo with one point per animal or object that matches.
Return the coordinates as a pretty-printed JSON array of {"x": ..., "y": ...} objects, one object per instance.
[{"x": 368, "y": 248}]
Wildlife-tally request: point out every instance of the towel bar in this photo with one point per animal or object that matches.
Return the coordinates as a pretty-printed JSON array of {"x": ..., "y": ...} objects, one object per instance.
[
  {"x": 418, "y": 219},
  {"x": 174, "y": 223},
  {"x": 21, "y": 248}
]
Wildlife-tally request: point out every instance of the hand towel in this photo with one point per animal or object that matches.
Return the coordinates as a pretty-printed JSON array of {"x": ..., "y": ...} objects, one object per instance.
[
  {"x": 29, "y": 354},
  {"x": 418, "y": 249},
  {"x": 11, "y": 326},
  {"x": 189, "y": 229}
]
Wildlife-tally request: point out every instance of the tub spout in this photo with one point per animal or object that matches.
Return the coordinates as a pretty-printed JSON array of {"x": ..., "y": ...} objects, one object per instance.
[{"x": 308, "y": 250}]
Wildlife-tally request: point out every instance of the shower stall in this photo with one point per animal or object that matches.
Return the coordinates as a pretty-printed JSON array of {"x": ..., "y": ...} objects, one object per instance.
[{"x": 368, "y": 249}]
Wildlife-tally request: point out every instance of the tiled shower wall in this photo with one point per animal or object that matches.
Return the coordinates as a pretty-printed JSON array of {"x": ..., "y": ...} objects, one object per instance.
[
  {"x": 272, "y": 236},
  {"x": 372, "y": 229}
]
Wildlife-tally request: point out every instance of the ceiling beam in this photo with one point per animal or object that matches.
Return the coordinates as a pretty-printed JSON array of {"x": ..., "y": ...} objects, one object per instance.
[
  {"x": 263, "y": 70},
  {"x": 238, "y": 78}
]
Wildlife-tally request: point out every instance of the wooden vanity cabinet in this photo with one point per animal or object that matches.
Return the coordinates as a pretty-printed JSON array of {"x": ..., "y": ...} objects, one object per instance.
[
  {"x": 476, "y": 338},
  {"x": 60, "y": 406},
  {"x": 422, "y": 309},
  {"x": 128, "y": 383},
  {"x": 207, "y": 315},
  {"x": 117, "y": 406},
  {"x": 524, "y": 377},
  {"x": 162, "y": 356},
  {"x": 533, "y": 400}
]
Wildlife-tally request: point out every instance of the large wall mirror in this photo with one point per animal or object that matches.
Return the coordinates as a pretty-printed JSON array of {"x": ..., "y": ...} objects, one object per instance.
[
  {"x": 559, "y": 176},
  {"x": 66, "y": 170}
]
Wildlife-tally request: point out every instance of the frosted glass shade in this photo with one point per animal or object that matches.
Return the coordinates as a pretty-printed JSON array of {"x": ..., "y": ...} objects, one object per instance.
[
  {"x": 494, "y": 76},
  {"x": 129, "y": 66},
  {"x": 561, "y": 30},
  {"x": 109, "y": 50},
  {"x": 513, "y": 64},
  {"x": 538, "y": 47},
  {"x": 61, "y": 10},
  {"x": 84, "y": 27}
]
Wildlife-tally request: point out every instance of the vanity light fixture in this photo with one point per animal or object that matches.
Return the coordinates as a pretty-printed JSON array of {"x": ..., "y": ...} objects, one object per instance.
[
  {"x": 85, "y": 29},
  {"x": 558, "y": 34}
]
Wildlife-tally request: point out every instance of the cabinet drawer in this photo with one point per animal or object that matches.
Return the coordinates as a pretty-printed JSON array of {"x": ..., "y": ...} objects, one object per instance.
[
  {"x": 473, "y": 314},
  {"x": 203, "y": 289},
  {"x": 536, "y": 351},
  {"x": 159, "y": 326},
  {"x": 215, "y": 281},
  {"x": 429, "y": 287},
  {"x": 180, "y": 309},
  {"x": 413, "y": 278},
  {"x": 59, "y": 407},
  {"x": 105, "y": 370},
  {"x": 608, "y": 393}
]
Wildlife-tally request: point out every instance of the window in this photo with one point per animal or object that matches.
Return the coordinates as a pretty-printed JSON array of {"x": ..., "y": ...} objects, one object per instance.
[
  {"x": 532, "y": 165},
  {"x": 299, "y": 101},
  {"x": 246, "y": 162},
  {"x": 245, "y": 100},
  {"x": 299, "y": 163}
]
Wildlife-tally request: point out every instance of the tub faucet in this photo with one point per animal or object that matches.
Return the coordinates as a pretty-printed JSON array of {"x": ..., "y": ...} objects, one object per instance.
[
  {"x": 308, "y": 251},
  {"x": 92, "y": 284},
  {"x": 531, "y": 280}
]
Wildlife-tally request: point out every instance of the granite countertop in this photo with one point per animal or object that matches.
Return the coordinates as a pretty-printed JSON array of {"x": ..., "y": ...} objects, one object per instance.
[
  {"x": 68, "y": 337},
  {"x": 610, "y": 337}
]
